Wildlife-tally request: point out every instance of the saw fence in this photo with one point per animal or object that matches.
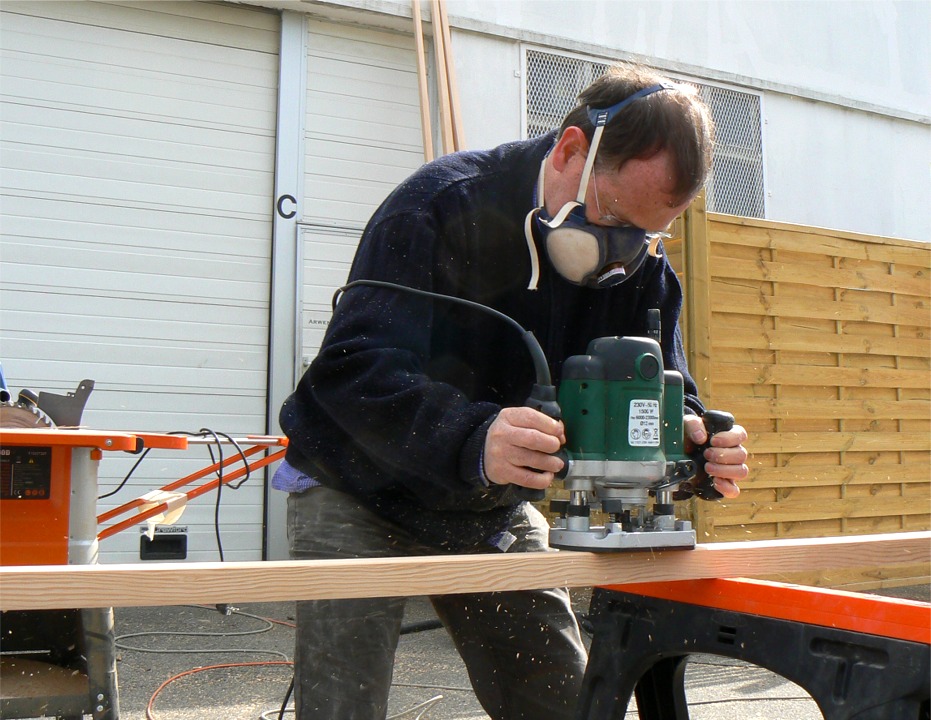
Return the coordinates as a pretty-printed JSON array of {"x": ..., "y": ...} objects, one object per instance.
[{"x": 818, "y": 341}]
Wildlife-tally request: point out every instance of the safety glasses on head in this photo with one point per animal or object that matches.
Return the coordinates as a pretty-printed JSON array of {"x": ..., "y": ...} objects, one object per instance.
[{"x": 583, "y": 253}]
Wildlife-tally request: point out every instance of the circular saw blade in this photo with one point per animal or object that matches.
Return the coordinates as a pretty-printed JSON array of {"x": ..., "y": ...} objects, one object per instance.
[{"x": 15, "y": 415}]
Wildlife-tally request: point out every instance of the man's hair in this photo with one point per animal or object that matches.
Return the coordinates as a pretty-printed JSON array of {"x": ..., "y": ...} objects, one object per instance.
[{"x": 676, "y": 120}]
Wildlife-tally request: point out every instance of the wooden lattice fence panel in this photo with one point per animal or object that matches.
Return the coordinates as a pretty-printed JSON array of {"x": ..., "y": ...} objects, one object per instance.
[{"x": 818, "y": 341}]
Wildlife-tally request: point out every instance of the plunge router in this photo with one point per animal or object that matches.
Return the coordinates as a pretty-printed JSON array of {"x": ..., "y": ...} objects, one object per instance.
[{"x": 625, "y": 448}]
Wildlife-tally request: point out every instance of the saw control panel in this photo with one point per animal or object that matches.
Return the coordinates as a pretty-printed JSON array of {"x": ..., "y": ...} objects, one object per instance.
[
  {"x": 25, "y": 473},
  {"x": 35, "y": 500}
]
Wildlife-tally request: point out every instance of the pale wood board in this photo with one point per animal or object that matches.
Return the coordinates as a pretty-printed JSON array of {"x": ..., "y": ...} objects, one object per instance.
[
  {"x": 822, "y": 475},
  {"x": 697, "y": 326},
  {"x": 821, "y": 442},
  {"x": 455, "y": 113},
  {"x": 442, "y": 81},
  {"x": 866, "y": 408},
  {"x": 425, "y": 125},
  {"x": 792, "y": 337},
  {"x": 875, "y": 310},
  {"x": 805, "y": 238},
  {"x": 748, "y": 513},
  {"x": 821, "y": 528},
  {"x": 772, "y": 374},
  {"x": 860, "y": 580},
  {"x": 764, "y": 270},
  {"x": 48, "y": 587}
]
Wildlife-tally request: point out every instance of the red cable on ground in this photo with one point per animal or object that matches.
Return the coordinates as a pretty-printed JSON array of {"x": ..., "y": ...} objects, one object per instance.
[{"x": 150, "y": 715}]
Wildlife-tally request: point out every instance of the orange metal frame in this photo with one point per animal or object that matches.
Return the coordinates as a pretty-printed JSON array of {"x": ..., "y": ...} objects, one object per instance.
[
  {"x": 80, "y": 438},
  {"x": 36, "y": 531},
  {"x": 869, "y": 614},
  {"x": 262, "y": 442}
]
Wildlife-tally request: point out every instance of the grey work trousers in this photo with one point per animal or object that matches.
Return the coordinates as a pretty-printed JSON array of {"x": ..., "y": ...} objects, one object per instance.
[{"x": 523, "y": 650}]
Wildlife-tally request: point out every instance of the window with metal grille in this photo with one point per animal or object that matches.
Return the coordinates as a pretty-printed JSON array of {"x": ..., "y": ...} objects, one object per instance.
[{"x": 735, "y": 186}]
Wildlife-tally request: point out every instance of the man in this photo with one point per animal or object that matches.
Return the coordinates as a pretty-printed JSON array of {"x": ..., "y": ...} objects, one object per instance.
[{"x": 409, "y": 435}]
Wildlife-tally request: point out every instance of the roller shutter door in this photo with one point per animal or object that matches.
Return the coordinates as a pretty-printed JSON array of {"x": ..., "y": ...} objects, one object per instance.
[
  {"x": 137, "y": 179},
  {"x": 362, "y": 138}
]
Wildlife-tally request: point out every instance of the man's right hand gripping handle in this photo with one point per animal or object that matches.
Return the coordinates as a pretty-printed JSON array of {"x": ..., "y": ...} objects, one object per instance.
[{"x": 702, "y": 484}]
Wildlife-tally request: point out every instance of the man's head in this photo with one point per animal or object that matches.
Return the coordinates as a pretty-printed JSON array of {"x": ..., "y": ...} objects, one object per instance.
[
  {"x": 629, "y": 159},
  {"x": 676, "y": 121}
]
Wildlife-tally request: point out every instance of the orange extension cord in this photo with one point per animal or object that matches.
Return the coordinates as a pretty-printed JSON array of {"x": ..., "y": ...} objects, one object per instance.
[{"x": 150, "y": 713}]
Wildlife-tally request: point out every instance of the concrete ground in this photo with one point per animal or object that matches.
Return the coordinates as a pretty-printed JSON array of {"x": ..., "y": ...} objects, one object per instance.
[
  {"x": 429, "y": 675},
  {"x": 194, "y": 663}
]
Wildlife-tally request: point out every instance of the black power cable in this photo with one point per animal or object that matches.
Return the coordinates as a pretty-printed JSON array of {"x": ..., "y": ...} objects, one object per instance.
[
  {"x": 126, "y": 478},
  {"x": 541, "y": 367},
  {"x": 217, "y": 459},
  {"x": 287, "y": 699}
]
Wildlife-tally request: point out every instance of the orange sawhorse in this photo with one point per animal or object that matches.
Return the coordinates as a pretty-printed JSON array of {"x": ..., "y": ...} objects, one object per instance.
[{"x": 860, "y": 657}]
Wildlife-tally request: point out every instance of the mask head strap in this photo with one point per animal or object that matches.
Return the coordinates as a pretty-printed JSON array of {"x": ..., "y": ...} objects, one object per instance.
[{"x": 600, "y": 117}]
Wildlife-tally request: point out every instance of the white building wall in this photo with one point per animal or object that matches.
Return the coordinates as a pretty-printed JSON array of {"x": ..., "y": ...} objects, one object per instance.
[
  {"x": 490, "y": 88},
  {"x": 871, "y": 52},
  {"x": 846, "y": 84},
  {"x": 836, "y": 167},
  {"x": 846, "y": 89}
]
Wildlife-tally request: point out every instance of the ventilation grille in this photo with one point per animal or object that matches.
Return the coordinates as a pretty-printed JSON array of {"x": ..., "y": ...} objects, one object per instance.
[{"x": 736, "y": 183}]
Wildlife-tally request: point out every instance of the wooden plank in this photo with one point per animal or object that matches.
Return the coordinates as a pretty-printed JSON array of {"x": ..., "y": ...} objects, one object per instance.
[
  {"x": 442, "y": 84},
  {"x": 720, "y": 220},
  {"x": 425, "y": 126},
  {"x": 455, "y": 113},
  {"x": 819, "y": 375},
  {"x": 793, "y": 338},
  {"x": 861, "y": 580},
  {"x": 833, "y": 475},
  {"x": 49, "y": 587},
  {"x": 759, "y": 408},
  {"x": 822, "y": 241},
  {"x": 823, "y": 442},
  {"x": 697, "y": 296},
  {"x": 910, "y": 312},
  {"x": 811, "y": 529},
  {"x": 783, "y": 511},
  {"x": 696, "y": 320},
  {"x": 764, "y": 270}
]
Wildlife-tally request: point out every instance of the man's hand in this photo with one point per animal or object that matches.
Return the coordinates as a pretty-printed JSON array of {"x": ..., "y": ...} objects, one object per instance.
[
  {"x": 725, "y": 459},
  {"x": 519, "y": 448}
]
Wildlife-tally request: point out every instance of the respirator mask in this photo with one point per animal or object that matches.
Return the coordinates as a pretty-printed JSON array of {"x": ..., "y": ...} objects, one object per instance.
[{"x": 595, "y": 256}]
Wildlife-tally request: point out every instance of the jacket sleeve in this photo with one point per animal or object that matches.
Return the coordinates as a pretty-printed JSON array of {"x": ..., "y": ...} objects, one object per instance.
[{"x": 369, "y": 377}]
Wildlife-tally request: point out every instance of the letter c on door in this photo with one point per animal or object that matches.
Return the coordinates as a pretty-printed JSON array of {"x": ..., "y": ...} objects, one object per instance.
[{"x": 280, "y": 205}]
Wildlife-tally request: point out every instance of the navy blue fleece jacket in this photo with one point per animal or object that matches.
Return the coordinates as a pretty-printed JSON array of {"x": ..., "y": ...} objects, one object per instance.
[{"x": 395, "y": 408}]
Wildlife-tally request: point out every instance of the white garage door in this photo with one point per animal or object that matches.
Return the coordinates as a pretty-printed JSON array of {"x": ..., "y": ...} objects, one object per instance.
[
  {"x": 137, "y": 181},
  {"x": 362, "y": 138}
]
